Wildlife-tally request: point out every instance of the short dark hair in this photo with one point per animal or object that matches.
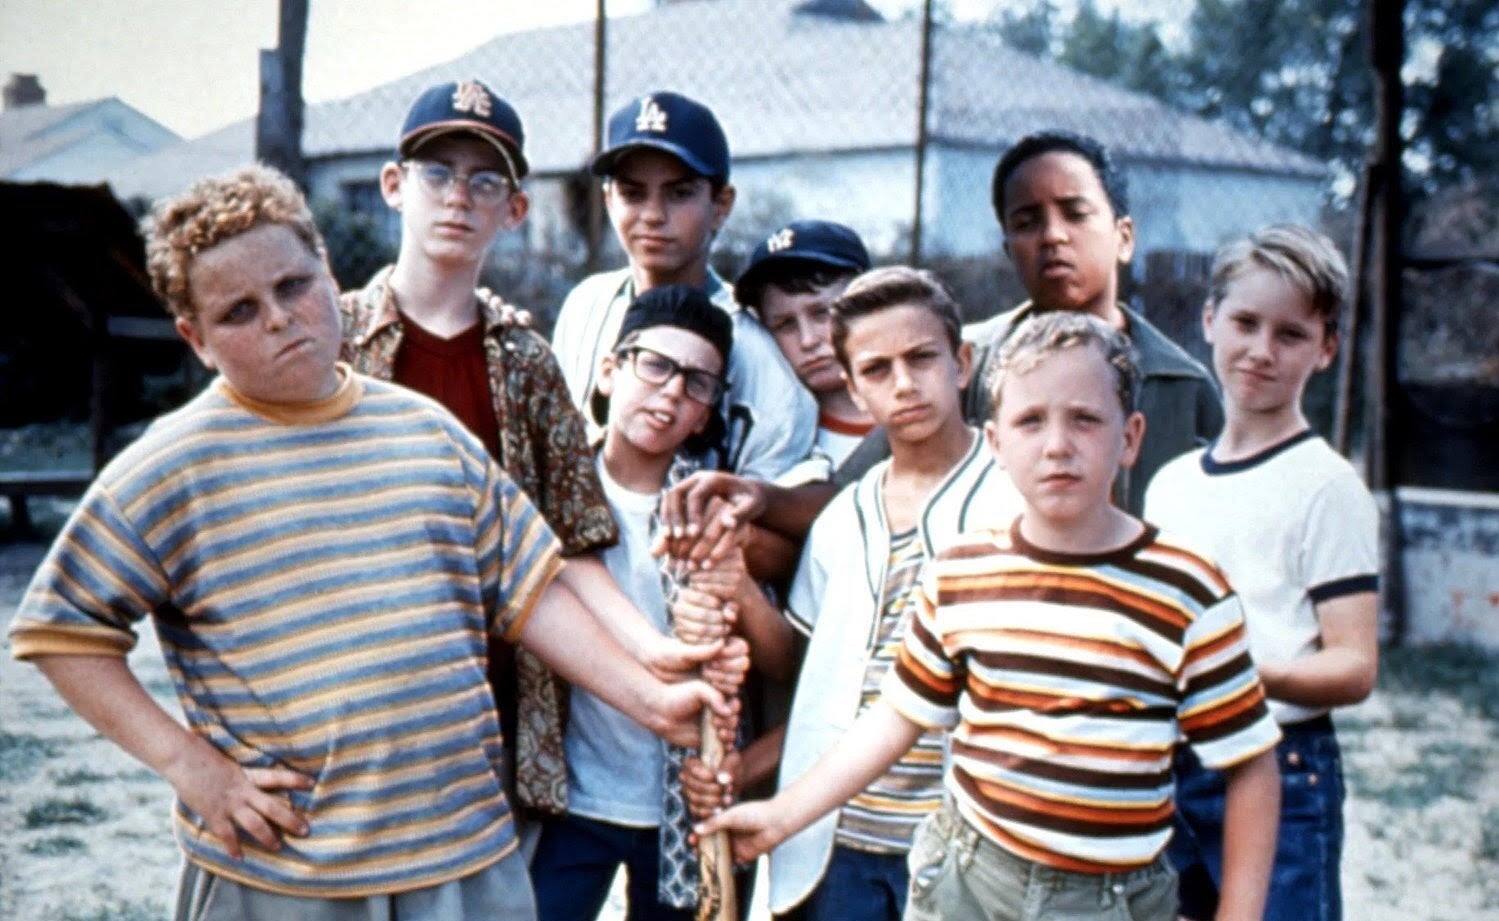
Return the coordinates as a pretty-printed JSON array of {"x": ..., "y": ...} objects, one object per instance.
[
  {"x": 790, "y": 276},
  {"x": 1044, "y": 142},
  {"x": 895, "y": 286}
]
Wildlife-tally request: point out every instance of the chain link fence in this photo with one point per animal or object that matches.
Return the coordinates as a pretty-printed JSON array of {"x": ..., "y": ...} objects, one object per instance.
[{"x": 889, "y": 120}]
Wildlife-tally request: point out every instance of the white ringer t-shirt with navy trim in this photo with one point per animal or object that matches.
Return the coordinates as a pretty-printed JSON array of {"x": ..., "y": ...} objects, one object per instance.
[{"x": 1291, "y": 526}]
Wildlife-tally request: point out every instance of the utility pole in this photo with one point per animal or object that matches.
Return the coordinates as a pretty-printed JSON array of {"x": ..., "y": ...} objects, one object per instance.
[
  {"x": 278, "y": 126},
  {"x": 1385, "y": 441}
]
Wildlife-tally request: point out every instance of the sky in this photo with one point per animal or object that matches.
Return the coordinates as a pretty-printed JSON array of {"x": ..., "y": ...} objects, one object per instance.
[{"x": 193, "y": 65}]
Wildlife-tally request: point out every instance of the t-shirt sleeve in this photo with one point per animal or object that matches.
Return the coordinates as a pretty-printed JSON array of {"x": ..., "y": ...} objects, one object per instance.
[
  {"x": 96, "y": 583},
  {"x": 1340, "y": 546},
  {"x": 1221, "y": 708},
  {"x": 1165, "y": 490},
  {"x": 568, "y": 490},
  {"x": 772, "y": 418},
  {"x": 924, "y": 683},
  {"x": 518, "y": 553}
]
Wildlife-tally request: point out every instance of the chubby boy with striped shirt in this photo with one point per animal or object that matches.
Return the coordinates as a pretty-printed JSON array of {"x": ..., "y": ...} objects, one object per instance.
[
  {"x": 322, "y": 555},
  {"x": 1068, "y": 652}
]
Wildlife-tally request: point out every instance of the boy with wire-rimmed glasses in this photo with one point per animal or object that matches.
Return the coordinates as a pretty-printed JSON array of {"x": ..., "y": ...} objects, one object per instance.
[{"x": 424, "y": 323}]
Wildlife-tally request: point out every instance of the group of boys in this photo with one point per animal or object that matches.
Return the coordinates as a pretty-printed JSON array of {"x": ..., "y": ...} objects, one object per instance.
[{"x": 995, "y": 660}]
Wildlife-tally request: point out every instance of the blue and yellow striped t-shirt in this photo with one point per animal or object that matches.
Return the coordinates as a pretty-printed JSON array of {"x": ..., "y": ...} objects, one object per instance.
[{"x": 322, "y": 579}]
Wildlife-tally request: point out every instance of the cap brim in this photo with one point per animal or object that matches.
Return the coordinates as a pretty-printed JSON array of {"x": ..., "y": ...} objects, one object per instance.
[
  {"x": 751, "y": 275},
  {"x": 503, "y": 142},
  {"x": 606, "y": 161}
]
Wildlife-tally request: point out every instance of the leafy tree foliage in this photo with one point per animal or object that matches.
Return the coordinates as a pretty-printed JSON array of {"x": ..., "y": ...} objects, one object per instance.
[{"x": 1296, "y": 72}]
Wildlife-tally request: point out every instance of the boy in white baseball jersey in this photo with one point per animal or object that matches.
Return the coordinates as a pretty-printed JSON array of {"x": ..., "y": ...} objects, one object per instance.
[
  {"x": 1296, "y": 532},
  {"x": 667, "y": 191},
  {"x": 896, "y": 335}
]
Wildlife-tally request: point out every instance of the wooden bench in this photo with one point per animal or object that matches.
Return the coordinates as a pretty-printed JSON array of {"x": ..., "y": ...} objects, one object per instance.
[{"x": 18, "y": 485}]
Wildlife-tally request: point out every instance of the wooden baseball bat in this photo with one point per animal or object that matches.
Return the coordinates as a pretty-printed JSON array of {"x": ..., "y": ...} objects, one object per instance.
[{"x": 716, "y": 897}]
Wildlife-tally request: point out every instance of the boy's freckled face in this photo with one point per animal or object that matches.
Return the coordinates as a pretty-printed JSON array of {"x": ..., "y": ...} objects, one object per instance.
[
  {"x": 267, "y": 316},
  {"x": 656, "y": 418},
  {"x": 1061, "y": 434},
  {"x": 1267, "y": 342},
  {"x": 451, "y": 226},
  {"x": 1062, "y": 235},
  {"x": 903, "y": 372},
  {"x": 664, "y": 214},
  {"x": 802, "y": 325}
]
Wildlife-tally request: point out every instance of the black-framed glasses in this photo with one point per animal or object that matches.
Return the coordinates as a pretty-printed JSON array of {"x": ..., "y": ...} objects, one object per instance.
[
  {"x": 485, "y": 186},
  {"x": 657, "y": 370}
]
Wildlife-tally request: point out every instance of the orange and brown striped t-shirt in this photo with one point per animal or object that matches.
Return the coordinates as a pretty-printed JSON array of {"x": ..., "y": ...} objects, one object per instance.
[{"x": 1069, "y": 679}]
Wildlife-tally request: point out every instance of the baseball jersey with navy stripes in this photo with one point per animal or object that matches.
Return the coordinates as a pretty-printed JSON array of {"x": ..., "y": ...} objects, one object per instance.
[
  {"x": 322, "y": 578},
  {"x": 1069, "y": 679}
]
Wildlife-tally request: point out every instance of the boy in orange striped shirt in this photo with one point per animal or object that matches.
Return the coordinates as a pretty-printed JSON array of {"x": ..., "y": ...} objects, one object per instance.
[{"x": 1067, "y": 652}]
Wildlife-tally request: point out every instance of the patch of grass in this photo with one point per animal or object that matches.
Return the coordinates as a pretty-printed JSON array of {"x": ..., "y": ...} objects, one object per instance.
[
  {"x": 1446, "y": 768},
  {"x": 122, "y": 911},
  {"x": 78, "y": 778},
  {"x": 55, "y": 846},
  {"x": 1488, "y": 841},
  {"x": 64, "y": 812},
  {"x": 1467, "y": 672},
  {"x": 21, "y": 754}
]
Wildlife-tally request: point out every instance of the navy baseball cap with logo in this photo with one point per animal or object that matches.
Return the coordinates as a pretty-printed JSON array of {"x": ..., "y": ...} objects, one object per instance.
[
  {"x": 470, "y": 107},
  {"x": 682, "y": 127},
  {"x": 818, "y": 244}
]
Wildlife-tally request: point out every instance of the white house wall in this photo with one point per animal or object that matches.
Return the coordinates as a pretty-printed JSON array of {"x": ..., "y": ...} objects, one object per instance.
[
  {"x": 1195, "y": 209},
  {"x": 1175, "y": 207}
]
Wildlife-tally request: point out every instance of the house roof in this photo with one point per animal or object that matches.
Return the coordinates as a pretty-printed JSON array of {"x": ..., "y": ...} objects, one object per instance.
[
  {"x": 34, "y": 132},
  {"x": 784, "y": 77}
]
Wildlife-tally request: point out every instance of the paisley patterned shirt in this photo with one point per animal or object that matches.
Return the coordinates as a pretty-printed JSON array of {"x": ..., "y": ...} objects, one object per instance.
[{"x": 544, "y": 449}]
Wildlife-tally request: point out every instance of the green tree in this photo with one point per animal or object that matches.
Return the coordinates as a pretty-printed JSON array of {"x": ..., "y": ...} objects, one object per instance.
[{"x": 1297, "y": 73}]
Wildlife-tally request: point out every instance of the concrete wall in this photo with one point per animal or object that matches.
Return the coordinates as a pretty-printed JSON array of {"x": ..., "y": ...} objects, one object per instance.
[{"x": 1450, "y": 565}]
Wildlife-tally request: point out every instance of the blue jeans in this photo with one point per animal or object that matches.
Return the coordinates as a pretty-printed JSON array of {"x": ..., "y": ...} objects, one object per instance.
[
  {"x": 575, "y": 863},
  {"x": 859, "y": 884},
  {"x": 1304, "y": 883}
]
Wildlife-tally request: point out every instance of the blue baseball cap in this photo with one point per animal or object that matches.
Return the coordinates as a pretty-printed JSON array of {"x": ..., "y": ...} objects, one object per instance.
[
  {"x": 682, "y": 127},
  {"x": 820, "y": 244},
  {"x": 466, "y": 106}
]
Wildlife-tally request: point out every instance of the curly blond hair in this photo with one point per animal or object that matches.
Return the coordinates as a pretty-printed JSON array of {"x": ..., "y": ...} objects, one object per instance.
[{"x": 211, "y": 211}]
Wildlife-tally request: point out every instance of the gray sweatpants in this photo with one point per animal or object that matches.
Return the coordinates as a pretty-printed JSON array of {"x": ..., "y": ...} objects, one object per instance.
[{"x": 500, "y": 892}]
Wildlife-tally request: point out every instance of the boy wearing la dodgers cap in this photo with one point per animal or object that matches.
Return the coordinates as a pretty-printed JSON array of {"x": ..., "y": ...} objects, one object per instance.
[
  {"x": 424, "y": 323},
  {"x": 666, "y": 187}
]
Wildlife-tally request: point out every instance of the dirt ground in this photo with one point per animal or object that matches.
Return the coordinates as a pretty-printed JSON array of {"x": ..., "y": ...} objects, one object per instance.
[{"x": 84, "y": 834}]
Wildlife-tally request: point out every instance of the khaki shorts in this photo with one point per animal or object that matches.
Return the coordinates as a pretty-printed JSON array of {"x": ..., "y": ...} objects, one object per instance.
[
  {"x": 500, "y": 892},
  {"x": 958, "y": 874}
]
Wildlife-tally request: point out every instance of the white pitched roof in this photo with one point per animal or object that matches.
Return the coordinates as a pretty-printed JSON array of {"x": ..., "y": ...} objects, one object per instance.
[{"x": 783, "y": 83}]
